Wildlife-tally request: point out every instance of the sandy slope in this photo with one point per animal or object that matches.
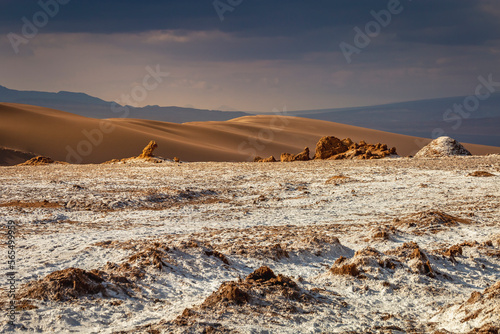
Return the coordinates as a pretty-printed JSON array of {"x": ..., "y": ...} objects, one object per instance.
[{"x": 55, "y": 133}]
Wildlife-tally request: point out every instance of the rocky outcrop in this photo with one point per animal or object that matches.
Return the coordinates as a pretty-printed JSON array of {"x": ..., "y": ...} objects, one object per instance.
[
  {"x": 442, "y": 147},
  {"x": 270, "y": 159},
  {"x": 40, "y": 161},
  {"x": 286, "y": 157},
  {"x": 335, "y": 149},
  {"x": 147, "y": 152},
  {"x": 329, "y": 146},
  {"x": 302, "y": 156},
  {"x": 146, "y": 156}
]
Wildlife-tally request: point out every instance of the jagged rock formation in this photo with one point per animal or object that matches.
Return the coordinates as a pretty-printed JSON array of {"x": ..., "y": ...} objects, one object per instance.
[
  {"x": 146, "y": 156},
  {"x": 147, "y": 152},
  {"x": 332, "y": 148},
  {"x": 302, "y": 156},
  {"x": 270, "y": 159},
  {"x": 329, "y": 146}
]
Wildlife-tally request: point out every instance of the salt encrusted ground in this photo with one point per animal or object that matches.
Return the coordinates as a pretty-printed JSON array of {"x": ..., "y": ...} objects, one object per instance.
[{"x": 165, "y": 237}]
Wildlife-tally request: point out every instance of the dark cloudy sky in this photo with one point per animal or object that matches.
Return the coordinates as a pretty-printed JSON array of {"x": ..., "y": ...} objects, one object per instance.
[{"x": 265, "y": 54}]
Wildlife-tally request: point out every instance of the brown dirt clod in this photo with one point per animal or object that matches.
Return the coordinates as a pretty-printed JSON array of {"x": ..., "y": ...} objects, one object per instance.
[
  {"x": 261, "y": 274},
  {"x": 346, "y": 269},
  {"x": 453, "y": 251},
  {"x": 228, "y": 291},
  {"x": 480, "y": 173},
  {"x": 64, "y": 285}
]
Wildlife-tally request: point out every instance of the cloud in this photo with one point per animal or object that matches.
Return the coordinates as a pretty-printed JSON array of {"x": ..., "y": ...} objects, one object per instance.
[{"x": 262, "y": 56}]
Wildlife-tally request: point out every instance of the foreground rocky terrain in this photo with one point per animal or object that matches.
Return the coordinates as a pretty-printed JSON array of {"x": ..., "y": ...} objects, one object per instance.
[{"x": 345, "y": 246}]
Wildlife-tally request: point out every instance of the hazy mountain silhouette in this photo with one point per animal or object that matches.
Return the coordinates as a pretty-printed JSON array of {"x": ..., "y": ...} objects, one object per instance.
[
  {"x": 89, "y": 106},
  {"x": 421, "y": 119}
]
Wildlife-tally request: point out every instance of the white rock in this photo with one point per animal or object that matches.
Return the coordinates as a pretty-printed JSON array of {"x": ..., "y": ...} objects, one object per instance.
[{"x": 442, "y": 147}]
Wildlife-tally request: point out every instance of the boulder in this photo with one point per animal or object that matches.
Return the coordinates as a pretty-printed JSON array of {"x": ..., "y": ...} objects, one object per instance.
[
  {"x": 270, "y": 159},
  {"x": 329, "y": 146},
  {"x": 442, "y": 147},
  {"x": 286, "y": 157},
  {"x": 302, "y": 156}
]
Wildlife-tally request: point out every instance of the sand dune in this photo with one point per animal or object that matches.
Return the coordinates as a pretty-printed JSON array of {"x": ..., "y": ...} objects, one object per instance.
[{"x": 76, "y": 139}]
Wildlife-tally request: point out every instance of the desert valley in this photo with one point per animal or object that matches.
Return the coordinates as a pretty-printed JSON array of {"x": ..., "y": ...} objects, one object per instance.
[
  {"x": 250, "y": 167},
  {"x": 358, "y": 243}
]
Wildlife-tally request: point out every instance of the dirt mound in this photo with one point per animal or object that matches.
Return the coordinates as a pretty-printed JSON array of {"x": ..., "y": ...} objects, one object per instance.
[
  {"x": 338, "y": 179},
  {"x": 364, "y": 261},
  {"x": 262, "y": 274},
  {"x": 486, "y": 329},
  {"x": 346, "y": 269},
  {"x": 383, "y": 233},
  {"x": 453, "y": 251},
  {"x": 255, "y": 290},
  {"x": 152, "y": 256},
  {"x": 414, "y": 257},
  {"x": 442, "y": 147},
  {"x": 262, "y": 292},
  {"x": 302, "y": 156},
  {"x": 335, "y": 149},
  {"x": 42, "y": 204},
  {"x": 64, "y": 285},
  {"x": 479, "y": 311},
  {"x": 40, "y": 161},
  {"x": 371, "y": 263},
  {"x": 149, "y": 257},
  {"x": 283, "y": 242},
  {"x": 147, "y": 152},
  {"x": 228, "y": 292},
  {"x": 480, "y": 173},
  {"x": 431, "y": 221},
  {"x": 270, "y": 159}
]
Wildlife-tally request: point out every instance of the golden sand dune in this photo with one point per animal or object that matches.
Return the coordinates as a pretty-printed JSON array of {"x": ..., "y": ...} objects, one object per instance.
[{"x": 76, "y": 139}]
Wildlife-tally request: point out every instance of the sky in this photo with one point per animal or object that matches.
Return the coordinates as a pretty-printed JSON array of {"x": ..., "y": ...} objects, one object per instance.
[{"x": 250, "y": 55}]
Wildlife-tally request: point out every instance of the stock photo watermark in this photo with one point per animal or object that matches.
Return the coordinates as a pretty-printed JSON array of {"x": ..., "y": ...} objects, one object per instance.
[
  {"x": 11, "y": 275},
  {"x": 252, "y": 144},
  {"x": 30, "y": 28},
  {"x": 470, "y": 104},
  {"x": 137, "y": 94},
  {"x": 221, "y": 7},
  {"x": 372, "y": 29}
]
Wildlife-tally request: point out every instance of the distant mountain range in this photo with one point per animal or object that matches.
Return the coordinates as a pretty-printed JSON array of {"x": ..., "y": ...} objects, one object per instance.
[
  {"x": 422, "y": 118},
  {"x": 89, "y": 106}
]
